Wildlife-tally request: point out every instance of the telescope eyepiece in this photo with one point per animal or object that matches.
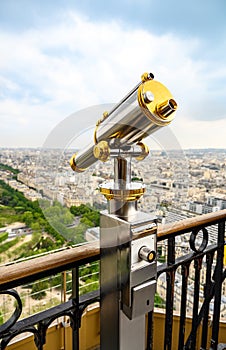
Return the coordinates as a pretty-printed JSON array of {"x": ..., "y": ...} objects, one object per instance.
[{"x": 166, "y": 108}]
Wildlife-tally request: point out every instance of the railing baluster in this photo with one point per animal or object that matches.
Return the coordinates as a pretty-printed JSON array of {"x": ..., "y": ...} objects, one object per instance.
[
  {"x": 170, "y": 278},
  {"x": 171, "y": 251},
  {"x": 185, "y": 274},
  {"x": 218, "y": 285},
  {"x": 75, "y": 297},
  {"x": 207, "y": 290},
  {"x": 197, "y": 266}
]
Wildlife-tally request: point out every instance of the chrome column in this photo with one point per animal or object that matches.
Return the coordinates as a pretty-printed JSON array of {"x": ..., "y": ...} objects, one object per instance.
[{"x": 127, "y": 280}]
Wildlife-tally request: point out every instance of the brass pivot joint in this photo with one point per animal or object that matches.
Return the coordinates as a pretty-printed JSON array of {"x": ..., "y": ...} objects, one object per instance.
[
  {"x": 144, "y": 151},
  {"x": 74, "y": 165},
  {"x": 101, "y": 151}
]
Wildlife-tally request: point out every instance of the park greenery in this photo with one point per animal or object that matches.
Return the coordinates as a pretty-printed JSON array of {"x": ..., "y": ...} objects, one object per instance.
[
  {"x": 8, "y": 168},
  {"x": 15, "y": 207},
  {"x": 89, "y": 216},
  {"x": 52, "y": 226}
]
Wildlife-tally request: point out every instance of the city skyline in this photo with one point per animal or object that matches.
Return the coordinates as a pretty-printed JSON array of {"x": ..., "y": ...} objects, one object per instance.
[{"x": 57, "y": 59}]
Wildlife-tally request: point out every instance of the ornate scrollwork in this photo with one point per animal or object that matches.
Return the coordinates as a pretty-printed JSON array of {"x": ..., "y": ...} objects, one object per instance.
[
  {"x": 193, "y": 237},
  {"x": 38, "y": 324},
  {"x": 5, "y": 341},
  {"x": 5, "y": 327}
]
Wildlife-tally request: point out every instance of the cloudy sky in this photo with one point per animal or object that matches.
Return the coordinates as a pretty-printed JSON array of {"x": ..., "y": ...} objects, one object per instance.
[{"x": 58, "y": 57}]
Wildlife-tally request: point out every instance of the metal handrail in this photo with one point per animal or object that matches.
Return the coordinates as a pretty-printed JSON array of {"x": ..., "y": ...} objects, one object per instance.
[{"x": 64, "y": 259}]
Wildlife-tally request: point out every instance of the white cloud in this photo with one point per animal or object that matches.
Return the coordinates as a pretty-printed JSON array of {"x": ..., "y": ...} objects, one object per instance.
[
  {"x": 199, "y": 134},
  {"x": 76, "y": 63}
]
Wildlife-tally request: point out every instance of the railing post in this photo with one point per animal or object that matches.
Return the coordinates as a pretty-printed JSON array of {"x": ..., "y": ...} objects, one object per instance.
[
  {"x": 207, "y": 292},
  {"x": 170, "y": 278},
  {"x": 75, "y": 297},
  {"x": 218, "y": 285},
  {"x": 185, "y": 274},
  {"x": 197, "y": 266}
]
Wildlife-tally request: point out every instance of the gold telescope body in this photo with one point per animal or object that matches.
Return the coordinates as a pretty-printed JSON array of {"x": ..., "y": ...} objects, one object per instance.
[{"x": 145, "y": 109}]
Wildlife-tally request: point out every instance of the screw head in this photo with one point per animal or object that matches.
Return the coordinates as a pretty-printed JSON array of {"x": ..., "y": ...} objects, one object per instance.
[{"x": 148, "y": 97}]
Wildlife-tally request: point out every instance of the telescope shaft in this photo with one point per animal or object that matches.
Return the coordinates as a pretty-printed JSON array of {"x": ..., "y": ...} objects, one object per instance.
[
  {"x": 139, "y": 114},
  {"x": 125, "y": 125}
]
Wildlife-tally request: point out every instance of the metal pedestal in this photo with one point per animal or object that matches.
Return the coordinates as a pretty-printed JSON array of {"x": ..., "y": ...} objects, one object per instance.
[{"x": 127, "y": 282}]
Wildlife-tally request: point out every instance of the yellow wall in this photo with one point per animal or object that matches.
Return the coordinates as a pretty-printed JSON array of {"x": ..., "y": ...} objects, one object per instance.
[{"x": 59, "y": 338}]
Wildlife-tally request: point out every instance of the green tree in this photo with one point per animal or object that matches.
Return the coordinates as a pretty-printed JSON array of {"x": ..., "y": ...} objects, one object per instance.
[
  {"x": 38, "y": 290},
  {"x": 35, "y": 226},
  {"x": 27, "y": 218},
  {"x": 86, "y": 222},
  {"x": 80, "y": 210}
]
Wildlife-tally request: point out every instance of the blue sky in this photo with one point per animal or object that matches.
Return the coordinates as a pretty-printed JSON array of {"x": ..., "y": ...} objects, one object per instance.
[{"x": 58, "y": 57}]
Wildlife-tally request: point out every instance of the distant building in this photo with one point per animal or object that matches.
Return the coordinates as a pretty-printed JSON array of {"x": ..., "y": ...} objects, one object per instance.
[
  {"x": 212, "y": 205},
  {"x": 217, "y": 202}
]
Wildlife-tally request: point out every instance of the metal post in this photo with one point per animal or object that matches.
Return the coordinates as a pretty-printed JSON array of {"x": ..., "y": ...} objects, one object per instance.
[
  {"x": 218, "y": 285},
  {"x": 75, "y": 297},
  {"x": 127, "y": 282}
]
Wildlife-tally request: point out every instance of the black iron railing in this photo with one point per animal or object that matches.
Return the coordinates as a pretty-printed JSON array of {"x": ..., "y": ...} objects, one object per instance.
[
  {"x": 23, "y": 273},
  {"x": 201, "y": 251},
  {"x": 204, "y": 256}
]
